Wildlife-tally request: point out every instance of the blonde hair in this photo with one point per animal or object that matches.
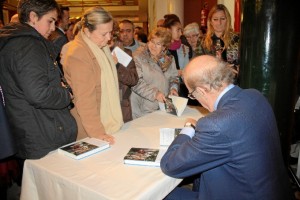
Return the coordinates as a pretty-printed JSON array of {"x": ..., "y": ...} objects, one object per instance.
[
  {"x": 95, "y": 16},
  {"x": 210, "y": 30},
  {"x": 163, "y": 34}
]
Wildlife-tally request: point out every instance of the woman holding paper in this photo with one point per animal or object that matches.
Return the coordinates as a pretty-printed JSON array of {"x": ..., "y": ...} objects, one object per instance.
[
  {"x": 157, "y": 73},
  {"x": 91, "y": 72}
]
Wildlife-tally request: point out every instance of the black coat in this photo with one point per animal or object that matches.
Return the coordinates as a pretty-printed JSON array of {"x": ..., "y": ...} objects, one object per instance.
[
  {"x": 36, "y": 103},
  {"x": 7, "y": 147}
]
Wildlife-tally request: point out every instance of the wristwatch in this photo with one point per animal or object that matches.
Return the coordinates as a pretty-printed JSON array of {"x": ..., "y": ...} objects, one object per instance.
[{"x": 189, "y": 124}]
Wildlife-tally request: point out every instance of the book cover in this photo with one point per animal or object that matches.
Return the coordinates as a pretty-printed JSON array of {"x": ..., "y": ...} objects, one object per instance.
[
  {"x": 170, "y": 107},
  {"x": 83, "y": 148},
  {"x": 174, "y": 105},
  {"x": 144, "y": 156},
  {"x": 167, "y": 135}
]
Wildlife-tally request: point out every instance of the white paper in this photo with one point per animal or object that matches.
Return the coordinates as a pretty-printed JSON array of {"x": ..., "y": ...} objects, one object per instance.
[
  {"x": 167, "y": 135},
  {"x": 122, "y": 56}
]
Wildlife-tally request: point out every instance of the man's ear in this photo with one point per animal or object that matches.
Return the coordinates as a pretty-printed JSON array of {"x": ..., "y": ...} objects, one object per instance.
[{"x": 200, "y": 90}]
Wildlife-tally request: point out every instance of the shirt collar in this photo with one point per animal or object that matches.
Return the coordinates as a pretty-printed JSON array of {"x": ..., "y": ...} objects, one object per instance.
[
  {"x": 62, "y": 30},
  {"x": 221, "y": 94}
]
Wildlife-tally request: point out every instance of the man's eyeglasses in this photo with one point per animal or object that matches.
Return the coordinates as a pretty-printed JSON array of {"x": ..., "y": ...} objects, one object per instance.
[{"x": 191, "y": 96}]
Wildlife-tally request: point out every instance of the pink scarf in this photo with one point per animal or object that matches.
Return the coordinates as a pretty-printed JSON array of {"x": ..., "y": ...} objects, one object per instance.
[{"x": 175, "y": 45}]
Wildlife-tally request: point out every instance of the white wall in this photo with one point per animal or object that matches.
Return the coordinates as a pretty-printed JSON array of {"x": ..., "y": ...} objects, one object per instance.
[{"x": 158, "y": 8}]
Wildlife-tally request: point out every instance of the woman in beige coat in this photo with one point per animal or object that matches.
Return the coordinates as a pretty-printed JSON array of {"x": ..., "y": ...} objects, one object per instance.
[
  {"x": 90, "y": 70},
  {"x": 157, "y": 73}
]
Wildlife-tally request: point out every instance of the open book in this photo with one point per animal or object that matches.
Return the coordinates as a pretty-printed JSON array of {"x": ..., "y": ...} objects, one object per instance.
[
  {"x": 167, "y": 135},
  {"x": 83, "y": 148},
  {"x": 174, "y": 105},
  {"x": 122, "y": 56},
  {"x": 144, "y": 156}
]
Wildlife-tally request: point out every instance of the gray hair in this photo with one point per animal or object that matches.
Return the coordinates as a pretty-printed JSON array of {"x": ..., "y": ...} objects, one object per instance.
[
  {"x": 214, "y": 76},
  {"x": 191, "y": 28}
]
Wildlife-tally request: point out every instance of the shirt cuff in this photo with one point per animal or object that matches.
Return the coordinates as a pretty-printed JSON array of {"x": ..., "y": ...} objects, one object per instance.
[{"x": 189, "y": 131}]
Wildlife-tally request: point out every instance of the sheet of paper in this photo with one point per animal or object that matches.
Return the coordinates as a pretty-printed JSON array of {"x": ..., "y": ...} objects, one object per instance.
[{"x": 122, "y": 56}]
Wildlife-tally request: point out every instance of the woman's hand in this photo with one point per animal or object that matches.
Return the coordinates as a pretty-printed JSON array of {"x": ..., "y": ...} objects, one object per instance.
[
  {"x": 160, "y": 97},
  {"x": 107, "y": 138},
  {"x": 174, "y": 92},
  {"x": 115, "y": 58},
  {"x": 179, "y": 73}
]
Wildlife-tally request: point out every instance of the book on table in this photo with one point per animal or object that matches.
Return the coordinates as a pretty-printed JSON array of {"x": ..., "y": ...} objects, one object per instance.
[
  {"x": 144, "y": 156},
  {"x": 83, "y": 148},
  {"x": 174, "y": 105},
  {"x": 167, "y": 135}
]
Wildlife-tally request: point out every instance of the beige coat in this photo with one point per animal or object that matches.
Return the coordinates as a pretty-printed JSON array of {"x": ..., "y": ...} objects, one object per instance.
[{"x": 84, "y": 76}]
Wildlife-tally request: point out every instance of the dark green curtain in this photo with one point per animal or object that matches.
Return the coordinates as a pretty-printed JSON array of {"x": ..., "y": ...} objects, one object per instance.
[{"x": 270, "y": 49}]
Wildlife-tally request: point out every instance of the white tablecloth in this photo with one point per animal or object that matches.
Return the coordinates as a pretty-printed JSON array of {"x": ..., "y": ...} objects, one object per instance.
[{"x": 103, "y": 175}]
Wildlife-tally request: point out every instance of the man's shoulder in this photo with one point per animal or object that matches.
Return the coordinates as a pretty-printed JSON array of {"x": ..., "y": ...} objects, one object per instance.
[{"x": 57, "y": 34}]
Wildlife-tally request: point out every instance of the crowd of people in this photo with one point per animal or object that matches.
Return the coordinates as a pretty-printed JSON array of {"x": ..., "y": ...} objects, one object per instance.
[{"x": 61, "y": 83}]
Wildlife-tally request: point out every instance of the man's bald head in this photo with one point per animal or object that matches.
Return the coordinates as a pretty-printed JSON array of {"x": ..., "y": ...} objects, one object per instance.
[{"x": 209, "y": 72}]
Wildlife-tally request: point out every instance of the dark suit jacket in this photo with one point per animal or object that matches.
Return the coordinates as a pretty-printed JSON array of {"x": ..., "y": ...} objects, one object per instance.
[
  {"x": 236, "y": 149},
  {"x": 59, "y": 39}
]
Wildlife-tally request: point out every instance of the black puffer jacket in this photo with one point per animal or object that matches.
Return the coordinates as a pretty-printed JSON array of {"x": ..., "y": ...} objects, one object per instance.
[{"x": 36, "y": 103}]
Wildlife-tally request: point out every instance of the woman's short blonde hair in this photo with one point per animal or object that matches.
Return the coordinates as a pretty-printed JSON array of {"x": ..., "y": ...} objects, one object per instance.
[
  {"x": 163, "y": 34},
  {"x": 95, "y": 16}
]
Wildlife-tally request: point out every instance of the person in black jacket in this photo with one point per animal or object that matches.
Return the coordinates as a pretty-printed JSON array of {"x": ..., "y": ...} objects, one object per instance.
[
  {"x": 36, "y": 101},
  {"x": 58, "y": 36}
]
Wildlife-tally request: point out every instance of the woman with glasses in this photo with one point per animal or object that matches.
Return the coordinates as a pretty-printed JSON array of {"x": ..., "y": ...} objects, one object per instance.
[
  {"x": 91, "y": 72},
  {"x": 157, "y": 73},
  {"x": 194, "y": 36}
]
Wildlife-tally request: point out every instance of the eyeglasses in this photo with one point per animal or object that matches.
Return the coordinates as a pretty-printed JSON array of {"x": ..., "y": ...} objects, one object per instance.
[
  {"x": 158, "y": 44},
  {"x": 190, "y": 94},
  {"x": 192, "y": 36}
]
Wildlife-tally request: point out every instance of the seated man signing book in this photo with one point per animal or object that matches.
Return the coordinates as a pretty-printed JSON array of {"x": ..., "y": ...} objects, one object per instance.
[{"x": 235, "y": 148}]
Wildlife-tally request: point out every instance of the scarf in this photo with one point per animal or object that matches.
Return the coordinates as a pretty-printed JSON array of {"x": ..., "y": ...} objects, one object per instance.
[
  {"x": 175, "y": 45},
  {"x": 110, "y": 107},
  {"x": 164, "y": 60}
]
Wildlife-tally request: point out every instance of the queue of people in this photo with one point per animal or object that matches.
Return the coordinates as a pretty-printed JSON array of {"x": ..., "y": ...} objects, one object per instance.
[{"x": 220, "y": 151}]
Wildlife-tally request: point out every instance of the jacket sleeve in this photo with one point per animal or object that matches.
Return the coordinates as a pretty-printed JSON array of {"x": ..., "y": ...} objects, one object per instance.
[
  {"x": 128, "y": 75},
  {"x": 39, "y": 78},
  {"x": 81, "y": 75},
  {"x": 188, "y": 156},
  {"x": 142, "y": 88}
]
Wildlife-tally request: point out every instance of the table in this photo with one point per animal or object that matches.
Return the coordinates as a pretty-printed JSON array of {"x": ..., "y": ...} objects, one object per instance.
[{"x": 103, "y": 175}]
